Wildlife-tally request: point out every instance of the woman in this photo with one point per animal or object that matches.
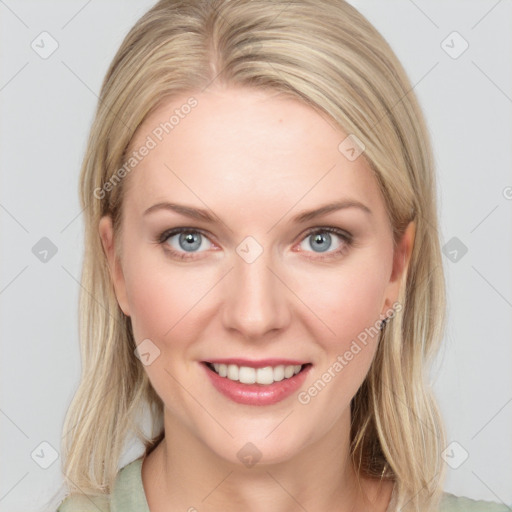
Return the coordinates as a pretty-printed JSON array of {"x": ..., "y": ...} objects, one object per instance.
[{"x": 262, "y": 270}]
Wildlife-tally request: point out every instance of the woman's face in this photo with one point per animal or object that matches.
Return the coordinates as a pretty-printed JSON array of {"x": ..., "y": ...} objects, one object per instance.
[{"x": 254, "y": 282}]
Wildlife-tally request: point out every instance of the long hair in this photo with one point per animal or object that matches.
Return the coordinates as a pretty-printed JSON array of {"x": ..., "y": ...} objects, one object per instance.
[{"x": 326, "y": 54}]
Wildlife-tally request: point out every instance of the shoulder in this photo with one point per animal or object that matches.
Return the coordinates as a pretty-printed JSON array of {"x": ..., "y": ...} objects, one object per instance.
[
  {"x": 85, "y": 503},
  {"x": 452, "y": 503},
  {"x": 127, "y": 494}
]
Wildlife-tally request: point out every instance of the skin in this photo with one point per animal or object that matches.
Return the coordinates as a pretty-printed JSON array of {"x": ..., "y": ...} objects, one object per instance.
[{"x": 255, "y": 159}]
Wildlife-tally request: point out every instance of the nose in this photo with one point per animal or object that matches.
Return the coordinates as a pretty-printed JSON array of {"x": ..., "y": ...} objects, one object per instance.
[{"x": 256, "y": 298}]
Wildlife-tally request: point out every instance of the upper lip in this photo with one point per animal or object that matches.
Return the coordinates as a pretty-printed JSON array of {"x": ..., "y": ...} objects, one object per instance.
[{"x": 260, "y": 363}]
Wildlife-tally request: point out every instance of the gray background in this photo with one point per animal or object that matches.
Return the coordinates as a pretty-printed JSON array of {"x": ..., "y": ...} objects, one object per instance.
[{"x": 46, "y": 111}]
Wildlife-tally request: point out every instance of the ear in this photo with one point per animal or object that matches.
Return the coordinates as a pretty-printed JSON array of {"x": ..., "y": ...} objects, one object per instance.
[
  {"x": 106, "y": 232},
  {"x": 401, "y": 258}
]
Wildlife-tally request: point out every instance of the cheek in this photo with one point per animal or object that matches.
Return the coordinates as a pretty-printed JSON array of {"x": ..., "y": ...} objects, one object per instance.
[
  {"x": 349, "y": 302},
  {"x": 164, "y": 305},
  {"x": 148, "y": 292},
  {"x": 349, "y": 299},
  {"x": 150, "y": 303},
  {"x": 164, "y": 299}
]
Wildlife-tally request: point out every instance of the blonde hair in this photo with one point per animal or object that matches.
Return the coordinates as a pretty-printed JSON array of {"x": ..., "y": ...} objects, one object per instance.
[{"x": 324, "y": 53}]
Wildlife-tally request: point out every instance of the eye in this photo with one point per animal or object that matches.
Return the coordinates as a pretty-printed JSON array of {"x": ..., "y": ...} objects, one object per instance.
[
  {"x": 183, "y": 242},
  {"x": 321, "y": 240}
]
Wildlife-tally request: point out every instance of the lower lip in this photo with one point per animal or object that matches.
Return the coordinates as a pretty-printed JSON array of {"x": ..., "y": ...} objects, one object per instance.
[{"x": 256, "y": 394}]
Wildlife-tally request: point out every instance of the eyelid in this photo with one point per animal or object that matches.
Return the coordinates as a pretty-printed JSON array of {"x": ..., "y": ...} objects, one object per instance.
[
  {"x": 346, "y": 237},
  {"x": 330, "y": 229},
  {"x": 174, "y": 231},
  {"x": 181, "y": 229}
]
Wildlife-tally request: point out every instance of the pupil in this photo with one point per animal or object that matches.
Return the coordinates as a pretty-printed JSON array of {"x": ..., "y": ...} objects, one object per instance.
[
  {"x": 191, "y": 239},
  {"x": 319, "y": 238}
]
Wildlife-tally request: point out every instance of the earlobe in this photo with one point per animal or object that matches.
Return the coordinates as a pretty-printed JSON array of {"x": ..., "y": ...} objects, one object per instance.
[{"x": 106, "y": 233}]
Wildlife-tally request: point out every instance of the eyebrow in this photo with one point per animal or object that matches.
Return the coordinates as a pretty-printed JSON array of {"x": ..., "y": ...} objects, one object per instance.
[{"x": 304, "y": 216}]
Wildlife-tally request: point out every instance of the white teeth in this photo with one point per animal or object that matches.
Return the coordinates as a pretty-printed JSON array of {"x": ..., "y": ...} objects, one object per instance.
[
  {"x": 278, "y": 372},
  {"x": 248, "y": 375},
  {"x": 223, "y": 372},
  {"x": 232, "y": 372},
  {"x": 288, "y": 371},
  {"x": 264, "y": 375}
]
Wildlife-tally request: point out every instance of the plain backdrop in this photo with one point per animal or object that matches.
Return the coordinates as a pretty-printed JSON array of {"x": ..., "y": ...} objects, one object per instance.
[{"x": 458, "y": 56}]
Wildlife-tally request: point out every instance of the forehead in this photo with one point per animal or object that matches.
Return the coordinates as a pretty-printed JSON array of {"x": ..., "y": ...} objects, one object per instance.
[{"x": 245, "y": 146}]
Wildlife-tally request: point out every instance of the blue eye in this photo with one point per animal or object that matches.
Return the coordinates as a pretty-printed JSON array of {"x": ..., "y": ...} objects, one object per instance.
[
  {"x": 320, "y": 239},
  {"x": 188, "y": 241}
]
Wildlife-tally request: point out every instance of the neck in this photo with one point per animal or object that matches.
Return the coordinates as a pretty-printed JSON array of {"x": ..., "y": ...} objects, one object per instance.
[{"x": 183, "y": 473}]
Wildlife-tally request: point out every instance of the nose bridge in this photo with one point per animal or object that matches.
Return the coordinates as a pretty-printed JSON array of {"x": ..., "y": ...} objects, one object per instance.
[{"x": 256, "y": 299}]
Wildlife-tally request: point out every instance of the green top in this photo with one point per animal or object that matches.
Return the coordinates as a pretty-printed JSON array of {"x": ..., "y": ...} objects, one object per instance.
[{"x": 128, "y": 496}]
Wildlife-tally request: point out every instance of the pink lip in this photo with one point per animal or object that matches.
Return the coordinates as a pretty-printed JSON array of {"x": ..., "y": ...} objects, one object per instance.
[
  {"x": 261, "y": 363},
  {"x": 257, "y": 394}
]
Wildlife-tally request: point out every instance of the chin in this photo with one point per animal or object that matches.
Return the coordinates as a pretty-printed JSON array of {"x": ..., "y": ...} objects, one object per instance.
[{"x": 258, "y": 450}]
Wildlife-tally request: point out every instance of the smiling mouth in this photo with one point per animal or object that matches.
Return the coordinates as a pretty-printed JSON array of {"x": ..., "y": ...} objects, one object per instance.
[{"x": 249, "y": 375}]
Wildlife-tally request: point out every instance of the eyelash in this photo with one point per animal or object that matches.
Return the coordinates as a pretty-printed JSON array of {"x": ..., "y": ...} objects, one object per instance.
[{"x": 345, "y": 236}]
